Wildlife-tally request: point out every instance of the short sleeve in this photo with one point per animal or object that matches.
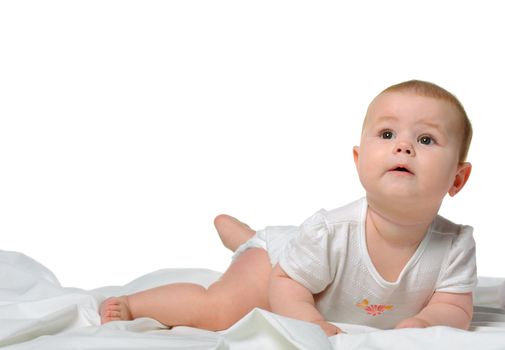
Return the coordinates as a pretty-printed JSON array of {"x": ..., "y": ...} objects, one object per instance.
[
  {"x": 459, "y": 271},
  {"x": 306, "y": 257}
]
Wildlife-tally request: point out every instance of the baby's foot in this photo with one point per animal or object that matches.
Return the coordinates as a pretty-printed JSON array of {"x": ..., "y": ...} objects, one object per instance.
[
  {"x": 232, "y": 231},
  {"x": 115, "y": 309}
]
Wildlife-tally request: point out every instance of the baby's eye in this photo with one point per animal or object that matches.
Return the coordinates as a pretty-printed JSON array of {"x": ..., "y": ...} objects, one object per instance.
[
  {"x": 386, "y": 134},
  {"x": 426, "y": 140}
]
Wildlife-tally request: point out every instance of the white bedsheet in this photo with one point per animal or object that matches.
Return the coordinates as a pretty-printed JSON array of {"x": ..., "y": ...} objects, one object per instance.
[{"x": 36, "y": 312}]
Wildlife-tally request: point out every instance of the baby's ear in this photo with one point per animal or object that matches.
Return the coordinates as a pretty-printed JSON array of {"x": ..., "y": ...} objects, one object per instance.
[
  {"x": 464, "y": 170},
  {"x": 355, "y": 153}
]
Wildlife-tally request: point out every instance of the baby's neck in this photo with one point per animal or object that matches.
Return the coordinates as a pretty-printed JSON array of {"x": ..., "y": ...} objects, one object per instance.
[{"x": 395, "y": 232}]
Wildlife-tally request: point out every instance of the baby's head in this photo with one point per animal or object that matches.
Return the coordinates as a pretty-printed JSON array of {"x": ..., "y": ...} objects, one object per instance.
[
  {"x": 413, "y": 147},
  {"x": 427, "y": 89}
]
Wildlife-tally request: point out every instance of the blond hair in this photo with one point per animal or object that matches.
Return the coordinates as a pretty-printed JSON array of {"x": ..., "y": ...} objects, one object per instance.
[{"x": 427, "y": 89}]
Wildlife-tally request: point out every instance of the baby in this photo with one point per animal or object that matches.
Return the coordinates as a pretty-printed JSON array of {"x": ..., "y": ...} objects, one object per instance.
[{"x": 387, "y": 260}]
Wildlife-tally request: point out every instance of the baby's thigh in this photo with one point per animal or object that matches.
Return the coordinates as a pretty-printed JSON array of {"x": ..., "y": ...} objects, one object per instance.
[{"x": 244, "y": 285}]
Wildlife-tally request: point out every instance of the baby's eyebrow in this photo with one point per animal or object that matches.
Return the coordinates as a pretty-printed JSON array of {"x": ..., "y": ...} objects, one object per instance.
[
  {"x": 385, "y": 118},
  {"x": 423, "y": 122},
  {"x": 432, "y": 125}
]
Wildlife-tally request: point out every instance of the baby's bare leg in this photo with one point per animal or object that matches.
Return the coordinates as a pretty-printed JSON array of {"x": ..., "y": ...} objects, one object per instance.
[
  {"x": 232, "y": 231},
  {"x": 241, "y": 288}
]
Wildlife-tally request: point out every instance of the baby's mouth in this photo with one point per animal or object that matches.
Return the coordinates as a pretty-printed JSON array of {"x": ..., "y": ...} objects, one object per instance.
[{"x": 401, "y": 169}]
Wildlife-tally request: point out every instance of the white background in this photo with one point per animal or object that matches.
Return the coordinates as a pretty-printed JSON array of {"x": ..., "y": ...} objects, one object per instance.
[{"x": 125, "y": 127}]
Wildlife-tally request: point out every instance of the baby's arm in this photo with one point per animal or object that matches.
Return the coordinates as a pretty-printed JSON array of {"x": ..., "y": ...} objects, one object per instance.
[
  {"x": 290, "y": 298},
  {"x": 444, "y": 309}
]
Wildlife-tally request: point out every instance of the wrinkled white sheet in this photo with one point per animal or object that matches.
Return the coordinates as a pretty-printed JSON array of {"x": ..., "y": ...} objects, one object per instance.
[{"x": 36, "y": 312}]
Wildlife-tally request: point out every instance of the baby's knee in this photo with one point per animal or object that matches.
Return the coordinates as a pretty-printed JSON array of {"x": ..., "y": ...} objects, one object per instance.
[
  {"x": 218, "y": 314},
  {"x": 224, "y": 320}
]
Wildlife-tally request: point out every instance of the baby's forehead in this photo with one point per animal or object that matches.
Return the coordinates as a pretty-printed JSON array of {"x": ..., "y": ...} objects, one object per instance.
[{"x": 408, "y": 105}]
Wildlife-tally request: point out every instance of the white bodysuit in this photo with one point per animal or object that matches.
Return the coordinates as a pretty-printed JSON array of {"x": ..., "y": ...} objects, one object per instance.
[{"x": 328, "y": 255}]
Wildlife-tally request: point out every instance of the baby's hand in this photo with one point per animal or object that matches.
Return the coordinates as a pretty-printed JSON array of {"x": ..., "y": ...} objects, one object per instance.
[
  {"x": 328, "y": 328},
  {"x": 412, "y": 322}
]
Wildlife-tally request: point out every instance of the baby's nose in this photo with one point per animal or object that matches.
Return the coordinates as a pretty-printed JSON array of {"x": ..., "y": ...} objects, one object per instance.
[{"x": 404, "y": 147}]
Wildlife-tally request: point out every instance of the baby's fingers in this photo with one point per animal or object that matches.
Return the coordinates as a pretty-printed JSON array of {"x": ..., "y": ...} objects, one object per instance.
[{"x": 329, "y": 328}]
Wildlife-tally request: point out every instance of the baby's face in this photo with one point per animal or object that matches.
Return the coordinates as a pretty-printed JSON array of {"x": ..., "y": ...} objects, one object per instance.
[{"x": 409, "y": 148}]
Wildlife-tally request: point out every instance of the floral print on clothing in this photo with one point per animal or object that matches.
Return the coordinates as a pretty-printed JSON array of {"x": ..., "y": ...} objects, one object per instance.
[{"x": 374, "y": 309}]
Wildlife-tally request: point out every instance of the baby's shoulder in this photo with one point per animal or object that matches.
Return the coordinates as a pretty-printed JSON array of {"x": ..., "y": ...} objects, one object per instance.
[
  {"x": 447, "y": 228},
  {"x": 350, "y": 215}
]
